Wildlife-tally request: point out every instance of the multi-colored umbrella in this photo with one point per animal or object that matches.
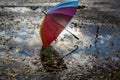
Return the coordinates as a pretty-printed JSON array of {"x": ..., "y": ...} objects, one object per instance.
[{"x": 56, "y": 19}]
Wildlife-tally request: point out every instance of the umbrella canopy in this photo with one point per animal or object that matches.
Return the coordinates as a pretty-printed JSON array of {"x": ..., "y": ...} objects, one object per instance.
[{"x": 56, "y": 19}]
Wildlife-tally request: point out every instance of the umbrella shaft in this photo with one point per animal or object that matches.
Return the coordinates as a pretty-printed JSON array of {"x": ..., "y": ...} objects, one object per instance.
[
  {"x": 72, "y": 34},
  {"x": 44, "y": 12}
]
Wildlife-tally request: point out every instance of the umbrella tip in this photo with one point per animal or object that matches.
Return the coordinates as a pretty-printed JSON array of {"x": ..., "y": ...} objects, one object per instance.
[{"x": 44, "y": 12}]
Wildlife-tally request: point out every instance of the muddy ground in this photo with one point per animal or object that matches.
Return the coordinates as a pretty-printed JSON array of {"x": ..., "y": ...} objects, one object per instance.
[{"x": 95, "y": 19}]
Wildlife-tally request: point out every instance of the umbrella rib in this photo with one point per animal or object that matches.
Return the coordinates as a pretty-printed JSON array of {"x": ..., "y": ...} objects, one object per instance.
[{"x": 67, "y": 30}]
